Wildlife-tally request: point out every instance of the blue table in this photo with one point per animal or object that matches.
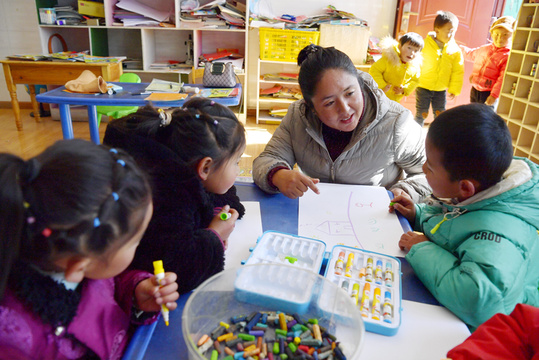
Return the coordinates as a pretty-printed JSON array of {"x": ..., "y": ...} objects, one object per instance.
[
  {"x": 156, "y": 341},
  {"x": 130, "y": 95}
]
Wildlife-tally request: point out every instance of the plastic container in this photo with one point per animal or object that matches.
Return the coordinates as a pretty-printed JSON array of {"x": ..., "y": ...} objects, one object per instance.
[
  {"x": 285, "y": 45},
  {"x": 47, "y": 16},
  {"x": 371, "y": 279},
  {"x": 271, "y": 287}
]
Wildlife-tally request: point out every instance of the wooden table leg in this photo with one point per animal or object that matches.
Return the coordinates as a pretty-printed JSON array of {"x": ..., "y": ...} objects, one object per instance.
[
  {"x": 12, "y": 88},
  {"x": 35, "y": 105}
]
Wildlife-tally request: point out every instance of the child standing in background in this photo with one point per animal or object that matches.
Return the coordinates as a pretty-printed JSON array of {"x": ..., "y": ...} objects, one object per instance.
[
  {"x": 192, "y": 155},
  {"x": 442, "y": 70},
  {"x": 479, "y": 254},
  {"x": 70, "y": 221},
  {"x": 397, "y": 71},
  {"x": 490, "y": 61}
]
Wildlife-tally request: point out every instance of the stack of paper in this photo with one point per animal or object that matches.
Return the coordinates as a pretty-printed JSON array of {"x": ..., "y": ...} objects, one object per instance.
[{"x": 164, "y": 86}]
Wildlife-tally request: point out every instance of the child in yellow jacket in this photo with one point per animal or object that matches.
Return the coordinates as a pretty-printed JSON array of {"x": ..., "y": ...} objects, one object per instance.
[
  {"x": 397, "y": 71},
  {"x": 442, "y": 71}
]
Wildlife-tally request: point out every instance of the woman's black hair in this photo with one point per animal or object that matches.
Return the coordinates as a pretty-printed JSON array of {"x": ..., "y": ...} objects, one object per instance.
[
  {"x": 314, "y": 60},
  {"x": 74, "y": 198},
  {"x": 475, "y": 143},
  {"x": 201, "y": 128}
]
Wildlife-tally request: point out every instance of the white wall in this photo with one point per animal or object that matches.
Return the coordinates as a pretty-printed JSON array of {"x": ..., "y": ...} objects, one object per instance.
[{"x": 18, "y": 35}]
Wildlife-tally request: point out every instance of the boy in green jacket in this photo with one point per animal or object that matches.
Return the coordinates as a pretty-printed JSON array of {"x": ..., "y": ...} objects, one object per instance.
[
  {"x": 478, "y": 252},
  {"x": 442, "y": 71}
]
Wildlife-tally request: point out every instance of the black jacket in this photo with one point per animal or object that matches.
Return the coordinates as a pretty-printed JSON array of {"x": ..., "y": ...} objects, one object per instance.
[{"x": 177, "y": 233}]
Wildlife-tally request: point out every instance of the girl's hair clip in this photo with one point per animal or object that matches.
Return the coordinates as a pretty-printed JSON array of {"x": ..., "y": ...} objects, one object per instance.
[
  {"x": 46, "y": 232},
  {"x": 97, "y": 222},
  {"x": 212, "y": 103},
  {"x": 114, "y": 151},
  {"x": 30, "y": 219},
  {"x": 165, "y": 117},
  {"x": 215, "y": 122},
  {"x": 197, "y": 116},
  {"x": 115, "y": 196},
  {"x": 121, "y": 162}
]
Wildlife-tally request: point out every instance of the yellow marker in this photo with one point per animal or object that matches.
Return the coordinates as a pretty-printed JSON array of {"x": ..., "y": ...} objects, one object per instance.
[
  {"x": 159, "y": 272},
  {"x": 349, "y": 265},
  {"x": 355, "y": 293},
  {"x": 377, "y": 304}
]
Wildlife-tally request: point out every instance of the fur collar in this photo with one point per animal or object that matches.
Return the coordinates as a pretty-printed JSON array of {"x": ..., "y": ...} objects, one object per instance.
[{"x": 51, "y": 301}]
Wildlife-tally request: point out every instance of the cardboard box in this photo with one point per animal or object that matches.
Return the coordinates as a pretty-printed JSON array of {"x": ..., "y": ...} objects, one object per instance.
[
  {"x": 352, "y": 40},
  {"x": 91, "y": 8}
]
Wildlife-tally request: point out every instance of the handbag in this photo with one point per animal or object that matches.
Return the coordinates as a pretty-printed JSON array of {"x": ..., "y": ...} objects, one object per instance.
[{"x": 219, "y": 75}]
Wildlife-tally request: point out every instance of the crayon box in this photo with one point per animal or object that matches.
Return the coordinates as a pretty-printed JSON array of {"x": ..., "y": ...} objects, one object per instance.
[{"x": 372, "y": 280}]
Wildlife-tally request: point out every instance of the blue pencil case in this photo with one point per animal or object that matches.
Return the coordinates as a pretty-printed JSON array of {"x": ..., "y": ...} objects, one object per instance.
[{"x": 372, "y": 280}]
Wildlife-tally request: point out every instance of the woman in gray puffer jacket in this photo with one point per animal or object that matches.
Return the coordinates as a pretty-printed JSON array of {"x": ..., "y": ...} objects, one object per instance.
[{"x": 345, "y": 130}]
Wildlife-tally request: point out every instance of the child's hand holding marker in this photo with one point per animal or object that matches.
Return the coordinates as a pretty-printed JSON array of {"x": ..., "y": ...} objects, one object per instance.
[
  {"x": 151, "y": 293},
  {"x": 403, "y": 203},
  {"x": 223, "y": 223}
]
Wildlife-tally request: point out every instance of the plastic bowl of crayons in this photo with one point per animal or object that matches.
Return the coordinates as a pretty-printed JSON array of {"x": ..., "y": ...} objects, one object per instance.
[{"x": 271, "y": 311}]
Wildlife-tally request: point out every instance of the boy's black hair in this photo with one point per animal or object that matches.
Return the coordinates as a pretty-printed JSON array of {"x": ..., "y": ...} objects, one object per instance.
[
  {"x": 474, "y": 142},
  {"x": 413, "y": 38},
  {"x": 444, "y": 17}
]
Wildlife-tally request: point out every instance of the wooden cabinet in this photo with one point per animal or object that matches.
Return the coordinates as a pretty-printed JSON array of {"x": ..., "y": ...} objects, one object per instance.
[
  {"x": 144, "y": 44},
  {"x": 519, "y": 97}
]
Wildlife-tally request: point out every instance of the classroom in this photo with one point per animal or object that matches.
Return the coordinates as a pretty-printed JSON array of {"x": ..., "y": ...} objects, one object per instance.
[{"x": 331, "y": 224}]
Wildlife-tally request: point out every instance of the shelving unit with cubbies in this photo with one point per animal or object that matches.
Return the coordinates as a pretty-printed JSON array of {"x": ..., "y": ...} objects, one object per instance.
[
  {"x": 265, "y": 103},
  {"x": 147, "y": 44},
  {"x": 519, "y": 98}
]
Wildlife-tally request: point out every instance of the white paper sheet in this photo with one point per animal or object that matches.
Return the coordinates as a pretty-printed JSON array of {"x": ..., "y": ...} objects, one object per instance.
[
  {"x": 427, "y": 332},
  {"x": 352, "y": 215},
  {"x": 244, "y": 236},
  {"x": 145, "y": 10}
]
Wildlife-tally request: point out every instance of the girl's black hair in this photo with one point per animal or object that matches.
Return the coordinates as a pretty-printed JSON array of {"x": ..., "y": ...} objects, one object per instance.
[
  {"x": 74, "y": 198},
  {"x": 413, "y": 38},
  {"x": 314, "y": 60},
  {"x": 475, "y": 143},
  {"x": 199, "y": 129}
]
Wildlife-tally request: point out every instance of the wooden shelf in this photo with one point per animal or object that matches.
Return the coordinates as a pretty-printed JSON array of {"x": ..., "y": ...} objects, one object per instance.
[
  {"x": 147, "y": 44},
  {"x": 519, "y": 97}
]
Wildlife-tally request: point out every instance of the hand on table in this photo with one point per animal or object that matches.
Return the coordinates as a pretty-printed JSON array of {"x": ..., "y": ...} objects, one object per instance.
[{"x": 294, "y": 184}]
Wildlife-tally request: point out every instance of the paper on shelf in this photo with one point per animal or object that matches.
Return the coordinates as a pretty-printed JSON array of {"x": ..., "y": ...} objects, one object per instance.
[{"x": 136, "y": 7}]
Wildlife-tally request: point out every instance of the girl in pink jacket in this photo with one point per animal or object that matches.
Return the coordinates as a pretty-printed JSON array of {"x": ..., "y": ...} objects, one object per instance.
[
  {"x": 490, "y": 61},
  {"x": 70, "y": 221}
]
